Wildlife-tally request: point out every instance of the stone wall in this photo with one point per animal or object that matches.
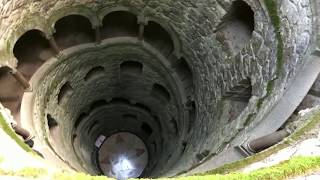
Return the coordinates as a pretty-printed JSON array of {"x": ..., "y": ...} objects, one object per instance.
[{"x": 270, "y": 58}]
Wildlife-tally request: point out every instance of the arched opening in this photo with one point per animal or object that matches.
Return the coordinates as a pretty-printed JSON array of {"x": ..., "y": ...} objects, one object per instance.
[
  {"x": 53, "y": 127},
  {"x": 159, "y": 38},
  {"x": 202, "y": 155},
  {"x": 94, "y": 73},
  {"x": 65, "y": 92},
  {"x": 161, "y": 92},
  {"x": 129, "y": 117},
  {"x": 80, "y": 119},
  {"x": 119, "y": 23},
  {"x": 119, "y": 100},
  {"x": 97, "y": 104},
  {"x": 73, "y": 30},
  {"x": 32, "y": 50},
  {"x": 191, "y": 108},
  {"x": 236, "y": 100},
  {"x": 237, "y": 26},
  {"x": 185, "y": 75},
  {"x": 52, "y": 123},
  {"x": 131, "y": 67},
  {"x": 146, "y": 128},
  {"x": 144, "y": 107}
]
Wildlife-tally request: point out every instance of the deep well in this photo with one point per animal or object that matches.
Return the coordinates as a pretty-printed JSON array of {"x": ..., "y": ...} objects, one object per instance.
[{"x": 186, "y": 85}]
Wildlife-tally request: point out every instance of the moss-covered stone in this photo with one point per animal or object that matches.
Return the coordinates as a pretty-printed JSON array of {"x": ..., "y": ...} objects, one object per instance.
[{"x": 276, "y": 22}]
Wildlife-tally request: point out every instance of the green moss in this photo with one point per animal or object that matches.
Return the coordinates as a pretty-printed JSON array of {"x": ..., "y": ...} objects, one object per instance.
[
  {"x": 25, "y": 172},
  {"x": 273, "y": 13},
  {"x": 248, "y": 120},
  {"x": 259, "y": 103},
  {"x": 32, "y": 172},
  {"x": 78, "y": 176},
  {"x": 276, "y": 22},
  {"x": 13, "y": 135},
  {"x": 270, "y": 87},
  {"x": 311, "y": 122}
]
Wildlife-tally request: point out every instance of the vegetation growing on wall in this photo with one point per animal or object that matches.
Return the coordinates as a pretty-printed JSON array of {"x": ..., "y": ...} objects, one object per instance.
[
  {"x": 276, "y": 22},
  {"x": 13, "y": 135}
]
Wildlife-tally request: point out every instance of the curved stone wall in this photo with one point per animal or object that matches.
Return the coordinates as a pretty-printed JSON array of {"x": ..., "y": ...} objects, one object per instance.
[{"x": 207, "y": 73}]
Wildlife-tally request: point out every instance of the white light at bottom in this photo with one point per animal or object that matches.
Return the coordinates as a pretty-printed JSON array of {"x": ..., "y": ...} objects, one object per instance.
[{"x": 123, "y": 168}]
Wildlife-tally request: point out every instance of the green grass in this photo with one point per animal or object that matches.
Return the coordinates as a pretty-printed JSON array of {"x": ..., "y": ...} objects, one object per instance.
[
  {"x": 290, "y": 168},
  {"x": 25, "y": 172},
  {"x": 78, "y": 176},
  {"x": 270, "y": 87},
  {"x": 7, "y": 129}
]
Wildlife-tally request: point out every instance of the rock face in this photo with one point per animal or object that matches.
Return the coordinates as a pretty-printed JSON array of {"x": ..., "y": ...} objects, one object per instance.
[{"x": 192, "y": 79}]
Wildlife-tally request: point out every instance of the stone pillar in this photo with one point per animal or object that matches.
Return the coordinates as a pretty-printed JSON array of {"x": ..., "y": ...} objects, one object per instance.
[
  {"x": 54, "y": 45},
  {"x": 21, "y": 79},
  {"x": 142, "y": 23},
  {"x": 97, "y": 34},
  {"x": 141, "y": 31}
]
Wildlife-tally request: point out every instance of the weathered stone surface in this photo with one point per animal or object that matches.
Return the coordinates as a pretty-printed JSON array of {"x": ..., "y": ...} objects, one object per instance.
[{"x": 198, "y": 29}]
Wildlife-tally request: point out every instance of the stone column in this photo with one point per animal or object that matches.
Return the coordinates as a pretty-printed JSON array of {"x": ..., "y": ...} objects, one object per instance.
[
  {"x": 97, "y": 34},
  {"x": 54, "y": 45},
  {"x": 142, "y": 23},
  {"x": 21, "y": 79}
]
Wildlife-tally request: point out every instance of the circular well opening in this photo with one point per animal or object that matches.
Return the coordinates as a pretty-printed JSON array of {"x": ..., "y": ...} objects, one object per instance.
[{"x": 122, "y": 155}]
